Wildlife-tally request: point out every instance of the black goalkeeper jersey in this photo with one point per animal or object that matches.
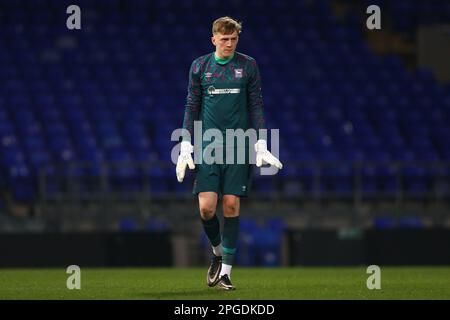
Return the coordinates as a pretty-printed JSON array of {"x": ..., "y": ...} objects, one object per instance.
[{"x": 224, "y": 96}]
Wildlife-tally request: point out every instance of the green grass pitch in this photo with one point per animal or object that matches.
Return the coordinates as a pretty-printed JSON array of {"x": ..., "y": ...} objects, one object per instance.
[{"x": 251, "y": 283}]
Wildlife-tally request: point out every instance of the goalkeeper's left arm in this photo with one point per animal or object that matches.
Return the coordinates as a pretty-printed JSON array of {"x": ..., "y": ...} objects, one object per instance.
[{"x": 256, "y": 111}]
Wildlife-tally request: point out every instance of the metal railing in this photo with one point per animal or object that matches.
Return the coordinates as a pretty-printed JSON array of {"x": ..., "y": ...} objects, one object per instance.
[
  {"x": 312, "y": 181},
  {"x": 71, "y": 196}
]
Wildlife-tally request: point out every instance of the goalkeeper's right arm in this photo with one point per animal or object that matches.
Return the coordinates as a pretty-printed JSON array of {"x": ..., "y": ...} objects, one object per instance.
[
  {"x": 193, "y": 105},
  {"x": 193, "y": 99}
]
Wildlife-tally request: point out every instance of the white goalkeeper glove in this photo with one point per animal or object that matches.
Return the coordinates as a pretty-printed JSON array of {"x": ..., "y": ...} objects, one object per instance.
[
  {"x": 184, "y": 159},
  {"x": 262, "y": 154}
]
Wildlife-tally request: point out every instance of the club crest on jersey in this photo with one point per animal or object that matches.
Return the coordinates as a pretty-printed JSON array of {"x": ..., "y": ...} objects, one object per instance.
[{"x": 238, "y": 73}]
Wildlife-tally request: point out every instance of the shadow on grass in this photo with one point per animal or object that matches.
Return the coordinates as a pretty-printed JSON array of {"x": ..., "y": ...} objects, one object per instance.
[{"x": 181, "y": 294}]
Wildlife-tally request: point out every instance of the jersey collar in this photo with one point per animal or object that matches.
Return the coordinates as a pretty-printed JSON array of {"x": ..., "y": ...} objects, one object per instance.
[{"x": 222, "y": 61}]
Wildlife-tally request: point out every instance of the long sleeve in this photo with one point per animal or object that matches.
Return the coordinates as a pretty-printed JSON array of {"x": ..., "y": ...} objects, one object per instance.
[
  {"x": 255, "y": 100},
  {"x": 193, "y": 100}
]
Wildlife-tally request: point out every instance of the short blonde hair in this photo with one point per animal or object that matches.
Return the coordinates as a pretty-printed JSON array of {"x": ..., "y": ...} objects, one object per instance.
[{"x": 226, "y": 25}]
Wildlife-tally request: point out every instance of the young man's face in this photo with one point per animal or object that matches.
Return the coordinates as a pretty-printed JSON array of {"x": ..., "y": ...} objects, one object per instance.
[{"x": 225, "y": 44}]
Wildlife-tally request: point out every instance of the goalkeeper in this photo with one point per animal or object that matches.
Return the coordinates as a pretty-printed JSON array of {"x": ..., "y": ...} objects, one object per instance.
[{"x": 224, "y": 92}]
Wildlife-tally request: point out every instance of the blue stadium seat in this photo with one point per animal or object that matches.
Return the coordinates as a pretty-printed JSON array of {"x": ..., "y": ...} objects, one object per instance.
[{"x": 110, "y": 94}]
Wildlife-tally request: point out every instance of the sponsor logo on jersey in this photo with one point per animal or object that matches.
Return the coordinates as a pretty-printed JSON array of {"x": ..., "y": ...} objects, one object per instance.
[
  {"x": 208, "y": 75},
  {"x": 211, "y": 90},
  {"x": 238, "y": 73}
]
